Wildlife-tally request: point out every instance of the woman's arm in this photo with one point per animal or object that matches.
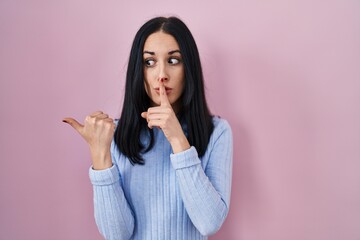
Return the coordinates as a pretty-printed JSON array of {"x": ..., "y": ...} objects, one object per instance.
[
  {"x": 112, "y": 212},
  {"x": 113, "y": 215},
  {"x": 206, "y": 193}
]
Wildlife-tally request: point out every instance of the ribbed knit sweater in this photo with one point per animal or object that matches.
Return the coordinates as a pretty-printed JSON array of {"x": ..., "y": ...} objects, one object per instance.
[{"x": 172, "y": 196}]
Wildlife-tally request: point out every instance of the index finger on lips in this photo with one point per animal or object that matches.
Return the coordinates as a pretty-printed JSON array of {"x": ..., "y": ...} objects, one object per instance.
[{"x": 164, "y": 100}]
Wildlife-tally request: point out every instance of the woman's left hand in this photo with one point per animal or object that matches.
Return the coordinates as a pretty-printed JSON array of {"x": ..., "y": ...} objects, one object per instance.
[{"x": 165, "y": 118}]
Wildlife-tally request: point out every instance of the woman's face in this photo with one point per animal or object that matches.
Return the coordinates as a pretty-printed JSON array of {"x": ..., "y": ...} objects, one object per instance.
[{"x": 163, "y": 61}]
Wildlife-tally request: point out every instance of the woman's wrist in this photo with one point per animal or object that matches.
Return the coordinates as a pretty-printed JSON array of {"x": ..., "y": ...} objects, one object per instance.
[
  {"x": 180, "y": 144},
  {"x": 101, "y": 159}
]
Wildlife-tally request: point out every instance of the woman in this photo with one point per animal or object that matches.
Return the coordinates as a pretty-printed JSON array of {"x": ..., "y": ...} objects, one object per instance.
[{"x": 165, "y": 173}]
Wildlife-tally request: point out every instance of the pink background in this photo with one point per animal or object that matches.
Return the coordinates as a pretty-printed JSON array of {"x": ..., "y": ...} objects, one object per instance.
[{"x": 285, "y": 74}]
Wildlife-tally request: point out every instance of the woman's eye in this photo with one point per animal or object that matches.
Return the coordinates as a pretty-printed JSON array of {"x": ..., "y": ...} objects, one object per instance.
[
  {"x": 149, "y": 62},
  {"x": 174, "y": 61}
]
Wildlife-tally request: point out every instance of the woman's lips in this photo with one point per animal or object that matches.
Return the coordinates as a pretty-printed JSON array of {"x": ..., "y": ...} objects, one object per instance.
[{"x": 167, "y": 89}]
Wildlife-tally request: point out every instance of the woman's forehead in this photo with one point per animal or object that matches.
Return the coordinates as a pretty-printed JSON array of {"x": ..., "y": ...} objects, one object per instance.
[{"x": 160, "y": 43}]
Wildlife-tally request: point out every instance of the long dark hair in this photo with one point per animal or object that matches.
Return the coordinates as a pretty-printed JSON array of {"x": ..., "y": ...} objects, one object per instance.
[{"x": 194, "y": 114}]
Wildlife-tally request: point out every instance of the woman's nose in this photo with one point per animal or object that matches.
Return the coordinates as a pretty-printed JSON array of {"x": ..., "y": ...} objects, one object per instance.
[
  {"x": 163, "y": 79},
  {"x": 163, "y": 76}
]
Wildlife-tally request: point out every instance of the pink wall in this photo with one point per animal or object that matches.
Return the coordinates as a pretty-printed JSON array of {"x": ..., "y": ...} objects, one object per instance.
[{"x": 286, "y": 76}]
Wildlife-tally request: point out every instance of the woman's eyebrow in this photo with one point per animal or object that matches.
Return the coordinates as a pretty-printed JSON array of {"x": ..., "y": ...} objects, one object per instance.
[
  {"x": 170, "y": 53},
  {"x": 174, "y": 51},
  {"x": 148, "y": 52}
]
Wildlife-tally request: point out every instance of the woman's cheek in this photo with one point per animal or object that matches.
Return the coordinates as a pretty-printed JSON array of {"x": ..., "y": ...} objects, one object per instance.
[{"x": 146, "y": 88}]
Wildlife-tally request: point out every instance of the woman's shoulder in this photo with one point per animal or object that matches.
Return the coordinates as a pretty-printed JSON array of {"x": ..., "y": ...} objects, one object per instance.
[
  {"x": 220, "y": 138},
  {"x": 221, "y": 127},
  {"x": 220, "y": 123}
]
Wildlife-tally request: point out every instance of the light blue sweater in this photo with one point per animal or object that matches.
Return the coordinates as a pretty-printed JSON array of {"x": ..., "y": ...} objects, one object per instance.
[{"x": 172, "y": 196}]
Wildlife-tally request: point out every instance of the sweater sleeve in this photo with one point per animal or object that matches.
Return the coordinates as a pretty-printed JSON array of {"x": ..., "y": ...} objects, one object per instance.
[
  {"x": 113, "y": 215},
  {"x": 206, "y": 193}
]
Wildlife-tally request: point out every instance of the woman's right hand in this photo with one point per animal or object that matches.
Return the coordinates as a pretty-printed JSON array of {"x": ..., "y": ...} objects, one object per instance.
[{"x": 98, "y": 131}]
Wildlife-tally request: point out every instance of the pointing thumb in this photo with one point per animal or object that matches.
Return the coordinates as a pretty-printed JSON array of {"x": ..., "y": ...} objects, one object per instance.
[{"x": 75, "y": 124}]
